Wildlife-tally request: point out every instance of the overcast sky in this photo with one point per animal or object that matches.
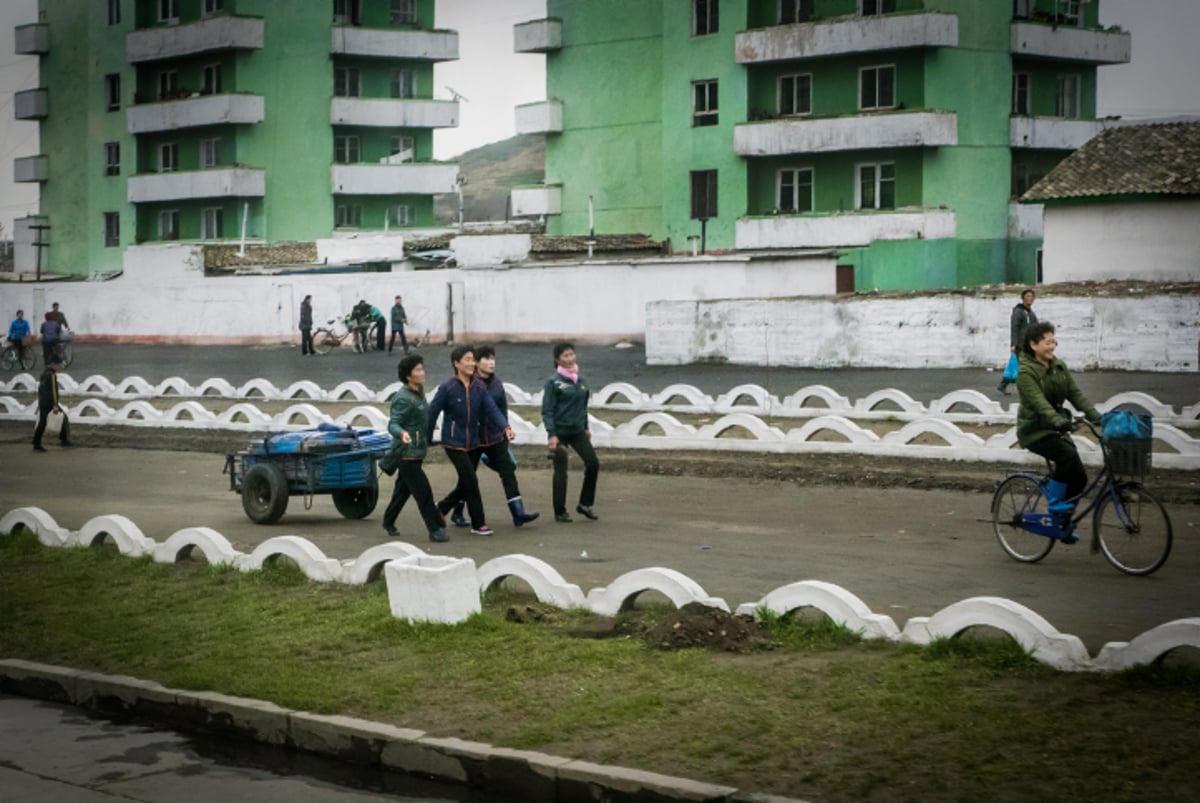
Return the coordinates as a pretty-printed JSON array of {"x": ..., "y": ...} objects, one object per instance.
[{"x": 1162, "y": 80}]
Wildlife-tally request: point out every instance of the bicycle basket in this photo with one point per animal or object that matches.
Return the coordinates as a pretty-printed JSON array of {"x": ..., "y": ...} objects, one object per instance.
[{"x": 1128, "y": 437}]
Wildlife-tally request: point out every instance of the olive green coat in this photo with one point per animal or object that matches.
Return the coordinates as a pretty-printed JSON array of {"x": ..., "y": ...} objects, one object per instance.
[
  {"x": 409, "y": 413},
  {"x": 1043, "y": 391}
]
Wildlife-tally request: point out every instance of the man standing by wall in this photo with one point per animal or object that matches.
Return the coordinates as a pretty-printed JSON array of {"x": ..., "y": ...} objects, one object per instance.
[
  {"x": 399, "y": 319},
  {"x": 306, "y": 341}
]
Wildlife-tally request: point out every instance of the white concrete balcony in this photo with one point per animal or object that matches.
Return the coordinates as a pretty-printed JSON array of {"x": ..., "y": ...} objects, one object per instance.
[
  {"x": 538, "y": 36},
  {"x": 544, "y": 117},
  {"x": 31, "y": 104},
  {"x": 31, "y": 168},
  {"x": 170, "y": 115},
  {"x": 825, "y": 134},
  {"x": 545, "y": 200},
  {"x": 1051, "y": 133},
  {"x": 394, "y": 113},
  {"x": 423, "y": 178},
  {"x": 216, "y": 182},
  {"x": 205, "y": 36},
  {"x": 844, "y": 229},
  {"x": 31, "y": 39},
  {"x": 1070, "y": 44},
  {"x": 842, "y": 35},
  {"x": 390, "y": 43},
  {"x": 1026, "y": 221}
]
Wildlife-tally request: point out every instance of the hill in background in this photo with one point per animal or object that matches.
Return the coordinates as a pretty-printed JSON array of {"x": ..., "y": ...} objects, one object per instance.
[{"x": 491, "y": 171}]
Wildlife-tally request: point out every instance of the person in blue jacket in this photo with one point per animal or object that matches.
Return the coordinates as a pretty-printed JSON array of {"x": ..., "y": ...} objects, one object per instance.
[
  {"x": 464, "y": 405},
  {"x": 18, "y": 330},
  {"x": 565, "y": 417}
]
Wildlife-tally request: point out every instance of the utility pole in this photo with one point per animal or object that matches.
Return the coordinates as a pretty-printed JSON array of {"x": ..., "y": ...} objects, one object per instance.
[{"x": 39, "y": 245}]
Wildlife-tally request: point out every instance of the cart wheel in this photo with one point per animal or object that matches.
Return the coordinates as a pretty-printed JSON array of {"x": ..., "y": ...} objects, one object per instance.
[
  {"x": 264, "y": 493},
  {"x": 355, "y": 503}
]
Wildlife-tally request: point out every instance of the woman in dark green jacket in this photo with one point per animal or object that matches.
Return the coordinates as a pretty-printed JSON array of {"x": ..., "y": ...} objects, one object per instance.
[
  {"x": 1043, "y": 424},
  {"x": 565, "y": 417},
  {"x": 408, "y": 425}
]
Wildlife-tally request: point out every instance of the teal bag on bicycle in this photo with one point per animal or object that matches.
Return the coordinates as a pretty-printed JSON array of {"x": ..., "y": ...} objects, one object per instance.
[{"x": 1117, "y": 424}]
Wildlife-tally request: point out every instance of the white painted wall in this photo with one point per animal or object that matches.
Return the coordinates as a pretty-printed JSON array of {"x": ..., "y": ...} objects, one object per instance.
[
  {"x": 1150, "y": 240},
  {"x": 1155, "y": 333}
]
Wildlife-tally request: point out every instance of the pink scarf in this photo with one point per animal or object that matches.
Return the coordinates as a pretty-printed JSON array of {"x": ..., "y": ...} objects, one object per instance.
[{"x": 571, "y": 374}]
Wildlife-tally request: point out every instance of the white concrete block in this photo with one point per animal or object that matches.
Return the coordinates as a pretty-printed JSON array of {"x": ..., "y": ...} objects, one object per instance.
[{"x": 430, "y": 588}]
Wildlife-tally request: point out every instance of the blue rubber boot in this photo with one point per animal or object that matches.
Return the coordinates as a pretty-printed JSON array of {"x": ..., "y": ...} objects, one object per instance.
[{"x": 1057, "y": 504}]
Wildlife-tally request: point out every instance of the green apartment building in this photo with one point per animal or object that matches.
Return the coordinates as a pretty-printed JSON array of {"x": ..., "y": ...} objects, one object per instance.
[
  {"x": 897, "y": 132},
  {"x": 210, "y": 120}
]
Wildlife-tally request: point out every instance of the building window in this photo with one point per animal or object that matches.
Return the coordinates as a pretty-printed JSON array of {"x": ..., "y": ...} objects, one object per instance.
[
  {"x": 705, "y": 17},
  {"x": 704, "y": 194},
  {"x": 112, "y": 229},
  {"x": 790, "y": 11},
  {"x": 399, "y": 215},
  {"x": 876, "y": 186},
  {"x": 349, "y": 216},
  {"x": 210, "y": 152},
  {"x": 212, "y": 7},
  {"x": 168, "y": 84},
  {"x": 168, "y": 11},
  {"x": 1066, "y": 96},
  {"x": 873, "y": 8},
  {"x": 795, "y": 190},
  {"x": 346, "y": 12},
  {"x": 210, "y": 80},
  {"x": 1022, "y": 98},
  {"x": 877, "y": 88},
  {"x": 1022, "y": 9},
  {"x": 345, "y": 150},
  {"x": 1068, "y": 12},
  {"x": 404, "y": 12},
  {"x": 795, "y": 94},
  {"x": 168, "y": 224},
  {"x": 346, "y": 82},
  {"x": 402, "y": 150},
  {"x": 112, "y": 158},
  {"x": 404, "y": 84},
  {"x": 114, "y": 12},
  {"x": 168, "y": 157},
  {"x": 112, "y": 91},
  {"x": 1024, "y": 176},
  {"x": 212, "y": 223},
  {"x": 704, "y": 103}
]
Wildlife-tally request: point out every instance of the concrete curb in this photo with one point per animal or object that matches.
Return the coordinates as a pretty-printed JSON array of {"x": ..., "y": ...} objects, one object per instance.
[{"x": 527, "y": 775}]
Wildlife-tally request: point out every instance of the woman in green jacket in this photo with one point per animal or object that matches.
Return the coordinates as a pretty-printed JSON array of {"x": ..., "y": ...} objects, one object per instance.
[
  {"x": 408, "y": 425},
  {"x": 1043, "y": 424},
  {"x": 565, "y": 417}
]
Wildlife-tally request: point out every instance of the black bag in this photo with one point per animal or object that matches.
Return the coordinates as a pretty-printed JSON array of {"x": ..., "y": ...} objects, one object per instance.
[{"x": 390, "y": 461}]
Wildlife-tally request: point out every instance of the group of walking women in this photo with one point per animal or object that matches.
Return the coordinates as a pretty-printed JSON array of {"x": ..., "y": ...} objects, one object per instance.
[{"x": 473, "y": 410}]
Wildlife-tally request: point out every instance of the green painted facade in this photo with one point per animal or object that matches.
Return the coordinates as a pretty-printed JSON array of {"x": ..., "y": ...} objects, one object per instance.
[
  {"x": 294, "y": 144},
  {"x": 625, "y": 75}
]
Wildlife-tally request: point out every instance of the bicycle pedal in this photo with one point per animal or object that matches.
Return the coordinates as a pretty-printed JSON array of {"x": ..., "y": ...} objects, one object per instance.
[{"x": 1070, "y": 537}]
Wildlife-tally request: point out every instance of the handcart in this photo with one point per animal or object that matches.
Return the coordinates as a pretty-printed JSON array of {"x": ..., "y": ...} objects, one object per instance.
[{"x": 339, "y": 461}]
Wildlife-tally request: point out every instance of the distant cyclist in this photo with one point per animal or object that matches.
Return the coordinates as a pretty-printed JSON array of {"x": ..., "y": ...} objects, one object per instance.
[
  {"x": 51, "y": 332},
  {"x": 18, "y": 330}
]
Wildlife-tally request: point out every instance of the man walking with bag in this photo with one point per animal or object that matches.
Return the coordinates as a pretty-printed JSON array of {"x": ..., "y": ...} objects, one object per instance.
[
  {"x": 1022, "y": 318},
  {"x": 47, "y": 404}
]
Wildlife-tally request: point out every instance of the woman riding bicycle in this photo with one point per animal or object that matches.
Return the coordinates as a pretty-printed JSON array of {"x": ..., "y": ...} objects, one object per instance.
[{"x": 1043, "y": 424}]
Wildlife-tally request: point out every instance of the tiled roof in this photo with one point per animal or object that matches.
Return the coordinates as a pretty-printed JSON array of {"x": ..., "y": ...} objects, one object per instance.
[{"x": 1160, "y": 159}]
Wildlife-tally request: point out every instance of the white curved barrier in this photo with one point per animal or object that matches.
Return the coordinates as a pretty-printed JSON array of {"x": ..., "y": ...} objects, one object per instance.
[
  {"x": 125, "y": 534},
  {"x": 547, "y": 584},
  {"x": 1149, "y": 646},
  {"x": 36, "y": 521},
  {"x": 369, "y": 565},
  {"x": 678, "y": 588},
  {"x": 834, "y": 601},
  {"x": 179, "y": 545},
  {"x": 304, "y": 553}
]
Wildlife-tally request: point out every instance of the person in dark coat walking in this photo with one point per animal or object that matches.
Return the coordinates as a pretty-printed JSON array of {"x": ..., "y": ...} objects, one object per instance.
[
  {"x": 48, "y": 403},
  {"x": 399, "y": 319},
  {"x": 408, "y": 425},
  {"x": 1022, "y": 318},
  {"x": 565, "y": 417},
  {"x": 50, "y": 333},
  {"x": 306, "y": 324}
]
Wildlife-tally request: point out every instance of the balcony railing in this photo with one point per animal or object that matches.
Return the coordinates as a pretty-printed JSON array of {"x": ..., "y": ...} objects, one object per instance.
[
  {"x": 32, "y": 39},
  {"x": 545, "y": 200},
  {"x": 838, "y": 36},
  {"x": 394, "y": 113},
  {"x": 424, "y": 178},
  {"x": 31, "y": 168},
  {"x": 31, "y": 104},
  {"x": 390, "y": 43},
  {"x": 204, "y": 36},
  {"x": 169, "y": 115},
  {"x": 538, "y": 36},
  {"x": 216, "y": 182},
  {"x": 825, "y": 134},
  {"x": 1070, "y": 44},
  {"x": 544, "y": 117},
  {"x": 1052, "y": 133},
  {"x": 844, "y": 229}
]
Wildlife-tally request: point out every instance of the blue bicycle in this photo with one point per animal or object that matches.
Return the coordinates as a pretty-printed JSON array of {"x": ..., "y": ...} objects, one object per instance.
[{"x": 1129, "y": 525}]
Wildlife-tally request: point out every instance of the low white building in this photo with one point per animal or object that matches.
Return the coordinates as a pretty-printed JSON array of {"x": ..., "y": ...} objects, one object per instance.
[{"x": 1126, "y": 205}]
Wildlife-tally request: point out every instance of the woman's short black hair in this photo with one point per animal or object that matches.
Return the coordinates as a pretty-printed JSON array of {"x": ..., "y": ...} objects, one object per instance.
[
  {"x": 485, "y": 350},
  {"x": 1034, "y": 334},
  {"x": 559, "y": 348},
  {"x": 407, "y": 364},
  {"x": 458, "y": 353}
]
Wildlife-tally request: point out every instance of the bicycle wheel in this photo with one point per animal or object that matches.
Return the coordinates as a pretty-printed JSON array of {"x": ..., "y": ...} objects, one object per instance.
[
  {"x": 8, "y": 359},
  {"x": 324, "y": 341},
  {"x": 1017, "y": 495},
  {"x": 30, "y": 358},
  {"x": 66, "y": 354},
  {"x": 1134, "y": 530}
]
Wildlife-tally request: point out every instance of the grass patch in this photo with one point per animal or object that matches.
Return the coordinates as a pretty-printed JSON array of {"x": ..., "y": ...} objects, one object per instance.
[{"x": 820, "y": 714}]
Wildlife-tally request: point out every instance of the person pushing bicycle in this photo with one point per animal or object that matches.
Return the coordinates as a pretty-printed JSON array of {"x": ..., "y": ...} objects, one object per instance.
[
  {"x": 1043, "y": 424},
  {"x": 18, "y": 330}
]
